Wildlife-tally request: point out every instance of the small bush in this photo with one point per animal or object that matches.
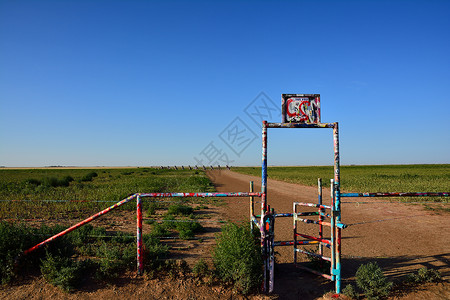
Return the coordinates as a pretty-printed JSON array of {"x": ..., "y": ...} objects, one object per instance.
[
  {"x": 89, "y": 176},
  {"x": 152, "y": 207},
  {"x": 188, "y": 229},
  {"x": 12, "y": 243},
  {"x": 62, "y": 271},
  {"x": 350, "y": 292},
  {"x": 154, "y": 249},
  {"x": 168, "y": 222},
  {"x": 114, "y": 259},
  {"x": 200, "y": 269},
  {"x": 425, "y": 275},
  {"x": 179, "y": 209},
  {"x": 237, "y": 257},
  {"x": 370, "y": 278},
  {"x": 33, "y": 181},
  {"x": 159, "y": 230}
]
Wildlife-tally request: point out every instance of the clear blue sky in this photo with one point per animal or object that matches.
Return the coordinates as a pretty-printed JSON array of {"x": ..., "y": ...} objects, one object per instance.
[{"x": 139, "y": 83}]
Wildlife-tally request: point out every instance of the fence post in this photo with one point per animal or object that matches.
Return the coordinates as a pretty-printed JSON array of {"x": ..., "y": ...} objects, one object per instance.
[
  {"x": 140, "y": 263},
  {"x": 252, "y": 213},
  {"x": 337, "y": 204},
  {"x": 321, "y": 217},
  {"x": 263, "y": 206}
]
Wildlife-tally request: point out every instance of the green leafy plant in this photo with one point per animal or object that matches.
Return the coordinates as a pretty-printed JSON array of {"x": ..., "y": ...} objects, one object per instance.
[
  {"x": 180, "y": 209},
  {"x": 201, "y": 268},
  {"x": 63, "y": 271},
  {"x": 350, "y": 292},
  {"x": 370, "y": 278},
  {"x": 89, "y": 176},
  {"x": 188, "y": 229},
  {"x": 114, "y": 259},
  {"x": 237, "y": 257},
  {"x": 153, "y": 248},
  {"x": 424, "y": 275}
]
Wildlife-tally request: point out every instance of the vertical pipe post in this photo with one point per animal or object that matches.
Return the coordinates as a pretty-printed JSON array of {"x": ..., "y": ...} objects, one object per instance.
[
  {"x": 263, "y": 205},
  {"x": 321, "y": 218},
  {"x": 294, "y": 218},
  {"x": 333, "y": 234},
  {"x": 140, "y": 263},
  {"x": 337, "y": 203},
  {"x": 252, "y": 208}
]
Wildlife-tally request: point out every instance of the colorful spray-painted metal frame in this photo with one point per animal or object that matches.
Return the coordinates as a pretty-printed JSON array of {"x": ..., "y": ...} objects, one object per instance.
[
  {"x": 335, "y": 216},
  {"x": 300, "y": 108}
]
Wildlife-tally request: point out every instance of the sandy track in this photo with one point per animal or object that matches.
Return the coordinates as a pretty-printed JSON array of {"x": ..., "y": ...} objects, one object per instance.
[{"x": 400, "y": 237}]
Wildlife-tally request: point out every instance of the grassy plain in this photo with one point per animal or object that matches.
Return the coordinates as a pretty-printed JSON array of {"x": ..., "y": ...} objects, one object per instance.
[
  {"x": 87, "y": 189},
  {"x": 374, "y": 178}
]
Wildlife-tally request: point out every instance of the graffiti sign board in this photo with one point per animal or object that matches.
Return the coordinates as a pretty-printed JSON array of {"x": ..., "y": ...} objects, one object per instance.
[{"x": 300, "y": 108}]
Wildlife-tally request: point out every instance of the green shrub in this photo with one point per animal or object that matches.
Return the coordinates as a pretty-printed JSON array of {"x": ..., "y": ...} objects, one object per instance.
[
  {"x": 168, "y": 222},
  {"x": 152, "y": 207},
  {"x": 89, "y": 176},
  {"x": 63, "y": 271},
  {"x": 33, "y": 181},
  {"x": 180, "y": 209},
  {"x": 370, "y": 278},
  {"x": 159, "y": 230},
  {"x": 425, "y": 275},
  {"x": 153, "y": 248},
  {"x": 54, "y": 182},
  {"x": 114, "y": 259},
  {"x": 350, "y": 292},
  {"x": 200, "y": 269},
  {"x": 237, "y": 257},
  {"x": 12, "y": 243},
  {"x": 187, "y": 229}
]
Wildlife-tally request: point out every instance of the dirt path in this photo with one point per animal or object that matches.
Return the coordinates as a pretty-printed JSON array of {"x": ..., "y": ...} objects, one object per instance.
[{"x": 400, "y": 237}]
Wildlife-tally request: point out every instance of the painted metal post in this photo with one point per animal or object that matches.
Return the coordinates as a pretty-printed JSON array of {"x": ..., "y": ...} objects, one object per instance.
[
  {"x": 321, "y": 217},
  {"x": 264, "y": 206},
  {"x": 140, "y": 257},
  {"x": 337, "y": 203},
  {"x": 333, "y": 234},
  {"x": 294, "y": 218},
  {"x": 252, "y": 208}
]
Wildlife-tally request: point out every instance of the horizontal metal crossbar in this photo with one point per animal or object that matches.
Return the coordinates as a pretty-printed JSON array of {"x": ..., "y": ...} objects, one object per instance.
[
  {"x": 313, "y": 254},
  {"x": 444, "y": 194},
  {"x": 290, "y": 243},
  {"x": 299, "y": 125},
  {"x": 312, "y": 205},
  {"x": 201, "y": 195},
  {"x": 314, "y": 238},
  {"x": 309, "y": 221}
]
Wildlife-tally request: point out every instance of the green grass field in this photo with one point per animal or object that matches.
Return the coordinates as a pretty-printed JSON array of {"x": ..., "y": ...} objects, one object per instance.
[
  {"x": 377, "y": 178},
  {"x": 90, "y": 185}
]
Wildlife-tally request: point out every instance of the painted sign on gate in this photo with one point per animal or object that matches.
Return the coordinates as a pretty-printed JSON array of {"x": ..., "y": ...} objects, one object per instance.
[{"x": 300, "y": 108}]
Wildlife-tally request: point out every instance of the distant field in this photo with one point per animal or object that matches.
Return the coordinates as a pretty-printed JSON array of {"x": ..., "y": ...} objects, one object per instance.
[
  {"x": 379, "y": 178},
  {"x": 88, "y": 185}
]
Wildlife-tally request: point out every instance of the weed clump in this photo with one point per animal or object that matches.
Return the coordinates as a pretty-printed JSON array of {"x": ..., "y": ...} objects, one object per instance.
[
  {"x": 370, "y": 278},
  {"x": 180, "y": 209},
  {"x": 188, "y": 229},
  {"x": 424, "y": 275},
  {"x": 63, "y": 271},
  {"x": 201, "y": 269},
  {"x": 89, "y": 176},
  {"x": 237, "y": 257},
  {"x": 350, "y": 292}
]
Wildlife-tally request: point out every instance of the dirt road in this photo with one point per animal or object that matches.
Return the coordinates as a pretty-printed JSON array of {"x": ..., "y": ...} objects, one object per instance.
[{"x": 400, "y": 237}]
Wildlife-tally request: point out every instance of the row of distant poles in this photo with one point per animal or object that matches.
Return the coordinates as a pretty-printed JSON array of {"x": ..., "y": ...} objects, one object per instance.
[{"x": 195, "y": 167}]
